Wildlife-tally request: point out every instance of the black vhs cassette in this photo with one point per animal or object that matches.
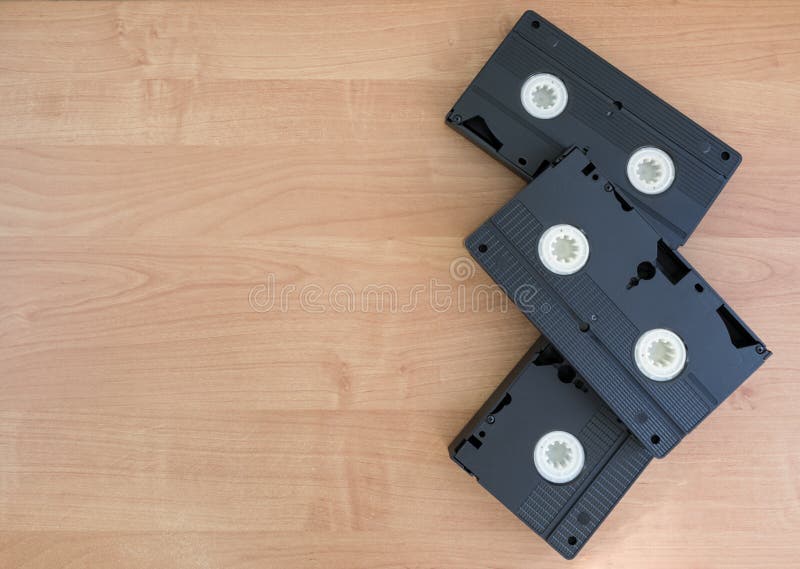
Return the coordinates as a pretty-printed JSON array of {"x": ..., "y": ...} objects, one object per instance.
[
  {"x": 548, "y": 448},
  {"x": 647, "y": 332},
  {"x": 543, "y": 92}
]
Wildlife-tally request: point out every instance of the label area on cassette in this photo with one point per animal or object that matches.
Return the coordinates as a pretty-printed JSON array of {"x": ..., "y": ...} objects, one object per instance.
[
  {"x": 547, "y": 447},
  {"x": 647, "y": 332},
  {"x": 543, "y": 92}
]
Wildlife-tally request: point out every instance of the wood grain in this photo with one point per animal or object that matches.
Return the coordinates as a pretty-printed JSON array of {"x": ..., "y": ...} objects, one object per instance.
[{"x": 158, "y": 161}]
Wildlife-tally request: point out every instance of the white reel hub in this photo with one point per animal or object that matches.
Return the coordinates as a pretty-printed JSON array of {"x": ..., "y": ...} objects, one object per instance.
[
  {"x": 559, "y": 457},
  {"x": 563, "y": 249},
  {"x": 651, "y": 170},
  {"x": 544, "y": 96},
  {"x": 660, "y": 354}
]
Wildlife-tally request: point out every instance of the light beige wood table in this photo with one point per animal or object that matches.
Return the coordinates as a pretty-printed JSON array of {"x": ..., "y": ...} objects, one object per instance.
[{"x": 164, "y": 166}]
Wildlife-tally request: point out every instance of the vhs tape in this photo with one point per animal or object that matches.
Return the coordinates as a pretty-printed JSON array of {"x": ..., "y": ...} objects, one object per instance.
[
  {"x": 647, "y": 332},
  {"x": 548, "y": 448},
  {"x": 543, "y": 92}
]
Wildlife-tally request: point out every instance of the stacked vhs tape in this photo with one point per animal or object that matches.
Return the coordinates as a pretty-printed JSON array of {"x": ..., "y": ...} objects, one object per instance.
[{"x": 637, "y": 348}]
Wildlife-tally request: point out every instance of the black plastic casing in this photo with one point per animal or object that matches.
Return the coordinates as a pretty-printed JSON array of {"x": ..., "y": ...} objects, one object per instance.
[
  {"x": 632, "y": 282},
  {"x": 608, "y": 115},
  {"x": 542, "y": 394}
]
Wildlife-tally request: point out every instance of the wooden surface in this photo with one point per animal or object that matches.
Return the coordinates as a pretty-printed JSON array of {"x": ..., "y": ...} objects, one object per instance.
[{"x": 159, "y": 160}]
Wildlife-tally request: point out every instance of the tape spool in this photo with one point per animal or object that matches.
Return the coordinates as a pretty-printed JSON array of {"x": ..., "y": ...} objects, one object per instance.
[
  {"x": 651, "y": 170},
  {"x": 563, "y": 249},
  {"x": 544, "y": 96},
  {"x": 558, "y": 457},
  {"x": 660, "y": 354}
]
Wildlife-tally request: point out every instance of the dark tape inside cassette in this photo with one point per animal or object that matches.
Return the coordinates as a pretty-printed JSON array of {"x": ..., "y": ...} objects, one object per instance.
[
  {"x": 649, "y": 334},
  {"x": 548, "y": 448},
  {"x": 542, "y": 92}
]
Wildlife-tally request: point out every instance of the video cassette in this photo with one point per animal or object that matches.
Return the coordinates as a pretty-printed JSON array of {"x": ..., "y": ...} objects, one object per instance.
[
  {"x": 548, "y": 448},
  {"x": 647, "y": 332},
  {"x": 543, "y": 92}
]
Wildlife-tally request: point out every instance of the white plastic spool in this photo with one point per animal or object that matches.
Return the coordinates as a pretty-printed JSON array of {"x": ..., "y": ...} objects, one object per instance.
[
  {"x": 544, "y": 96},
  {"x": 660, "y": 354},
  {"x": 651, "y": 170},
  {"x": 563, "y": 249},
  {"x": 558, "y": 457}
]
